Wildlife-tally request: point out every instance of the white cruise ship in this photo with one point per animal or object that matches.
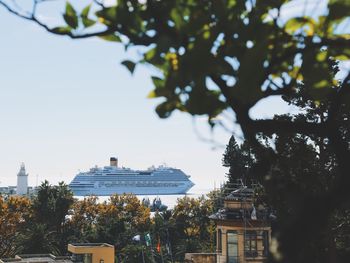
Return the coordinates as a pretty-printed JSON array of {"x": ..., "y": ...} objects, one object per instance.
[{"x": 111, "y": 180}]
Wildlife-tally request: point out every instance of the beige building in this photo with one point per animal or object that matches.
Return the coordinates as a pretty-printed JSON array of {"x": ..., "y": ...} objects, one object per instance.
[
  {"x": 92, "y": 252},
  {"x": 243, "y": 231}
]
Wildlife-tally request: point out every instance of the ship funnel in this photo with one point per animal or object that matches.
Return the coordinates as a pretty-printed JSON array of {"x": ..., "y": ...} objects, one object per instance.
[{"x": 113, "y": 161}]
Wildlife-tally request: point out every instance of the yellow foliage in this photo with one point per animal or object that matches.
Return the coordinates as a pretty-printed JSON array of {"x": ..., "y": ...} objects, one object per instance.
[{"x": 14, "y": 212}]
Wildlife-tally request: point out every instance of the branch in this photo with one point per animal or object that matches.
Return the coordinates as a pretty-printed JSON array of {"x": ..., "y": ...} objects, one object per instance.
[
  {"x": 99, "y": 3},
  {"x": 268, "y": 126},
  {"x": 334, "y": 42},
  {"x": 34, "y": 19},
  {"x": 275, "y": 92},
  {"x": 227, "y": 92},
  {"x": 70, "y": 34},
  {"x": 8, "y": 8}
]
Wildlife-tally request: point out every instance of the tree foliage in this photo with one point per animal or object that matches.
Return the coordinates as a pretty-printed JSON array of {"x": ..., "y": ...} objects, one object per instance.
[
  {"x": 215, "y": 55},
  {"x": 192, "y": 229},
  {"x": 15, "y": 213},
  {"x": 297, "y": 186},
  {"x": 24, "y": 230},
  {"x": 50, "y": 207},
  {"x": 36, "y": 225},
  {"x": 310, "y": 171},
  {"x": 51, "y": 204},
  {"x": 239, "y": 159}
]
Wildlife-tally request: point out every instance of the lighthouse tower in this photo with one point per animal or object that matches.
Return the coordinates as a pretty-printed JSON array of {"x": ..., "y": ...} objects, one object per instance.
[{"x": 22, "y": 181}]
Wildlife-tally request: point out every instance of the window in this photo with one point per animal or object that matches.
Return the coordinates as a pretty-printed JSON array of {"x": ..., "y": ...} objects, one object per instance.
[
  {"x": 232, "y": 247},
  {"x": 87, "y": 258},
  {"x": 219, "y": 249},
  {"x": 250, "y": 244},
  {"x": 265, "y": 243},
  {"x": 77, "y": 257}
]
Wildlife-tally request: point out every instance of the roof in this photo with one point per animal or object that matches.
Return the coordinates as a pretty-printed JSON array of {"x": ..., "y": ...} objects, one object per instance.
[
  {"x": 248, "y": 211},
  {"x": 91, "y": 245},
  {"x": 241, "y": 214},
  {"x": 242, "y": 193},
  {"x": 37, "y": 258}
]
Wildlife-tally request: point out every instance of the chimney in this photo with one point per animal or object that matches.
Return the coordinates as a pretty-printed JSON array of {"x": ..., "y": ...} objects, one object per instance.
[{"x": 113, "y": 161}]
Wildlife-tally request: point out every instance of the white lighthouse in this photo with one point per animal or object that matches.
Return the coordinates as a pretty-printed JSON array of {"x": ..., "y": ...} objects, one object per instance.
[{"x": 22, "y": 181}]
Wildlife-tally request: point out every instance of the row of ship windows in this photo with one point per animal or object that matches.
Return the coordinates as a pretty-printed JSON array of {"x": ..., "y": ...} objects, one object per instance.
[
  {"x": 129, "y": 184},
  {"x": 140, "y": 184},
  {"x": 170, "y": 180},
  {"x": 116, "y": 177},
  {"x": 131, "y": 173},
  {"x": 136, "y": 182}
]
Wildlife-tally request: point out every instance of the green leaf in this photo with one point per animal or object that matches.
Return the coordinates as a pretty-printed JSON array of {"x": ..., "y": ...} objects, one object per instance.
[
  {"x": 130, "y": 65},
  {"x": 111, "y": 37},
  {"x": 160, "y": 89},
  {"x": 107, "y": 15},
  {"x": 158, "y": 82},
  {"x": 165, "y": 109},
  {"x": 342, "y": 57},
  {"x": 176, "y": 16},
  {"x": 321, "y": 56},
  {"x": 321, "y": 84},
  {"x": 61, "y": 30},
  {"x": 150, "y": 54},
  {"x": 85, "y": 11},
  {"x": 70, "y": 16},
  {"x": 152, "y": 94},
  {"x": 202, "y": 101},
  {"x": 87, "y": 22}
]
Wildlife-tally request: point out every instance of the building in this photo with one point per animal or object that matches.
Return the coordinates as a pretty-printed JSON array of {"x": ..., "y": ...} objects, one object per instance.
[
  {"x": 8, "y": 190},
  {"x": 37, "y": 258},
  {"x": 22, "y": 181},
  {"x": 92, "y": 252},
  {"x": 81, "y": 253},
  {"x": 243, "y": 231}
]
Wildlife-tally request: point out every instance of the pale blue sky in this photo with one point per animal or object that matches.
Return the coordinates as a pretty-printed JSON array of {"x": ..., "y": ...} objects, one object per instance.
[{"x": 67, "y": 105}]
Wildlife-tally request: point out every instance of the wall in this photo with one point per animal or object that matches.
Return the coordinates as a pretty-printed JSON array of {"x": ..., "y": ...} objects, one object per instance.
[
  {"x": 200, "y": 257},
  {"x": 103, "y": 252},
  {"x": 222, "y": 255}
]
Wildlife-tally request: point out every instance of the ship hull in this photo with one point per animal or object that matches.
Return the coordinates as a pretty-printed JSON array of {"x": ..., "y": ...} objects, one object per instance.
[{"x": 132, "y": 190}]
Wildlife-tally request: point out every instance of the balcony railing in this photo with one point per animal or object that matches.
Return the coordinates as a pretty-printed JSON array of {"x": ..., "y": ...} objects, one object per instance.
[{"x": 233, "y": 259}]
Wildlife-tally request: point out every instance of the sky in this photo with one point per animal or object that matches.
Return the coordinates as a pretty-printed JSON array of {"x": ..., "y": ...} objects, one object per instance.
[{"x": 68, "y": 105}]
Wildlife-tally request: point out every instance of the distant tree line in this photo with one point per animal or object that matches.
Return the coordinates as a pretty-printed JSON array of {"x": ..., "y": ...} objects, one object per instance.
[{"x": 53, "y": 218}]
